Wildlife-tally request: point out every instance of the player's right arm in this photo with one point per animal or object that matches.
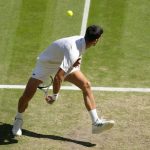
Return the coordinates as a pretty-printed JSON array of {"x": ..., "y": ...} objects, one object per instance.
[{"x": 58, "y": 79}]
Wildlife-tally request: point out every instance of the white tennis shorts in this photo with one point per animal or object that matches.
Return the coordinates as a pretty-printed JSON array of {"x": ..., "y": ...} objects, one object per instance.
[{"x": 43, "y": 70}]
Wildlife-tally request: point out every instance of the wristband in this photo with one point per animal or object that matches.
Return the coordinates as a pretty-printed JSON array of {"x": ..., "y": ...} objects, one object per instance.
[{"x": 55, "y": 97}]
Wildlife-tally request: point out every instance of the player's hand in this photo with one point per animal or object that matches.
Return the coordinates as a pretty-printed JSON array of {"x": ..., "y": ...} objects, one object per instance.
[
  {"x": 49, "y": 99},
  {"x": 77, "y": 63}
]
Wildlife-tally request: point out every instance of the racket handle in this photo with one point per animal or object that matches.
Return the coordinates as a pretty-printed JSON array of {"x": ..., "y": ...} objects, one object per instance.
[{"x": 51, "y": 98}]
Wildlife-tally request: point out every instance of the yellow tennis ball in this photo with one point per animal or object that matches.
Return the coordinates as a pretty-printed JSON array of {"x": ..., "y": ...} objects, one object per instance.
[{"x": 70, "y": 13}]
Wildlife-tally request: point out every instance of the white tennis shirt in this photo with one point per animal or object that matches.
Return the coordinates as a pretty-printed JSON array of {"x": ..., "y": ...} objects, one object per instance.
[{"x": 64, "y": 52}]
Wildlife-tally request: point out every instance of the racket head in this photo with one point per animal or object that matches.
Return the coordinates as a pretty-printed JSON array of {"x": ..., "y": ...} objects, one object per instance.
[{"x": 46, "y": 85}]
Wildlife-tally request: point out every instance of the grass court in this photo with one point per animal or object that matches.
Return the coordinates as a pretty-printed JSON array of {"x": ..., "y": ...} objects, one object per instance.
[{"x": 120, "y": 59}]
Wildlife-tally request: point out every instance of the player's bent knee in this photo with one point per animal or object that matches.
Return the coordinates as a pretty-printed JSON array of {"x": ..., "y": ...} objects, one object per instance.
[{"x": 86, "y": 86}]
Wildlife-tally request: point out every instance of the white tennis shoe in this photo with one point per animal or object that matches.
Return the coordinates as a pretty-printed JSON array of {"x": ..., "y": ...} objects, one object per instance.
[
  {"x": 102, "y": 125},
  {"x": 17, "y": 127}
]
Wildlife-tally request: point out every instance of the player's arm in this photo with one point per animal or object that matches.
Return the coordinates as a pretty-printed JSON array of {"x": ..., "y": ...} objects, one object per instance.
[
  {"x": 77, "y": 63},
  {"x": 59, "y": 77}
]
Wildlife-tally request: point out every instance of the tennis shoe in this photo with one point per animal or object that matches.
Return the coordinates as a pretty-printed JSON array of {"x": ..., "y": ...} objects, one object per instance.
[
  {"x": 102, "y": 125},
  {"x": 17, "y": 127}
]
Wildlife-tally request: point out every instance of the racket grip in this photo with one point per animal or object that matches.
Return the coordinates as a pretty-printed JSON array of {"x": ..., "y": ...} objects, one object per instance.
[
  {"x": 50, "y": 99},
  {"x": 53, "y": 97}
]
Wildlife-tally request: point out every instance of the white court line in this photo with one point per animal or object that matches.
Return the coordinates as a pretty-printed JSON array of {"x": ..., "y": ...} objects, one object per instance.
[
  {"x": 85, "y": 16},
  {"x": 111, "y": 89}
]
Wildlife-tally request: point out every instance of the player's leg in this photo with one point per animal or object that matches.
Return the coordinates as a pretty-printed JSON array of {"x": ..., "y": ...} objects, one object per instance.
[
  {"x": 78, "y": 79},
  {"x": 28, "y": 93}
]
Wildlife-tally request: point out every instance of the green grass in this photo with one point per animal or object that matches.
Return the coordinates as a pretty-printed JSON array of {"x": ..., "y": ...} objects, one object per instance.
[
  {"x": 123, "y": 54},
  {"x": 32, "y": 27},
  {"x": 121, "y": 58}
]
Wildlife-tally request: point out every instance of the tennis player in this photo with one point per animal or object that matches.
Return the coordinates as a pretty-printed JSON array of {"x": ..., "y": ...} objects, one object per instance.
[{"x": 62, "y": 59}]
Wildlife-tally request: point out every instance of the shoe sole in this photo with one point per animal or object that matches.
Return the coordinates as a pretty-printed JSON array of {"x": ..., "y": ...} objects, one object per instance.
[{"x": 103, "y": 128}]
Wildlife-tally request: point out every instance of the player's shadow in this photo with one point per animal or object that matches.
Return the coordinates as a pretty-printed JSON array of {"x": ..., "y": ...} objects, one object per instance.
[
  {"x": 6, "y": 136},
  {"x": 57, "y": 138}
]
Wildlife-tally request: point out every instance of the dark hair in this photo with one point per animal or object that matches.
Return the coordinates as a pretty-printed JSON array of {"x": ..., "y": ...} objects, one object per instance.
[{"x": 93, "y": 32}]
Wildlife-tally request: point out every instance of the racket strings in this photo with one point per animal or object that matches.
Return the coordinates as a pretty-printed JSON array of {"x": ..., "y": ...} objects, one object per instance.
[{"x": 45, "y": 87}]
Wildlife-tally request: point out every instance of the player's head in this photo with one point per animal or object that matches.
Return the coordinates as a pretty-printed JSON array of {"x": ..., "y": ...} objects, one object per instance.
[{"x": 93, "y": 33}]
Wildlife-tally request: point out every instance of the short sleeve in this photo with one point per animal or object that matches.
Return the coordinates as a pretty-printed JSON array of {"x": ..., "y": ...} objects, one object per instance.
[
  {"x": 70, "y": 56},
  {"x": 66, "y": 63}
]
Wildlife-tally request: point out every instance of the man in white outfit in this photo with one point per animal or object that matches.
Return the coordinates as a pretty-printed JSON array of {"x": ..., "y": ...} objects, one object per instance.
[{"x": 62, "y": 59}]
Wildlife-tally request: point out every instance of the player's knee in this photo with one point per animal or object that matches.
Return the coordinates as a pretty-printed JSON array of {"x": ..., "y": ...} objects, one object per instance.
[{"x": 86, "y": 86}]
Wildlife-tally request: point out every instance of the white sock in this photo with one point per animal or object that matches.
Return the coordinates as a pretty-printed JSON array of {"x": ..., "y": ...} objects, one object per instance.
[
  {"x": 19, "y": 115},
  {"x": 93, "y": 114}
]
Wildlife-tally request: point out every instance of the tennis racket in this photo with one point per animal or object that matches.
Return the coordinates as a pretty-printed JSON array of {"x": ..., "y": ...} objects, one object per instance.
[{"x": 45, "y": 86}]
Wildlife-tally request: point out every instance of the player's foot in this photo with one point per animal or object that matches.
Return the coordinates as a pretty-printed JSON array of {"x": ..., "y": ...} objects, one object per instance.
[
  {"x": 16, "y": 130},
  {"x": 102, "y": 125}
]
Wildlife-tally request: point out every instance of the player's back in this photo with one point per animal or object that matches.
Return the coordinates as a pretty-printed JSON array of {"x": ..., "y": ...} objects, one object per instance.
[{"x": 55, "y": 52}]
